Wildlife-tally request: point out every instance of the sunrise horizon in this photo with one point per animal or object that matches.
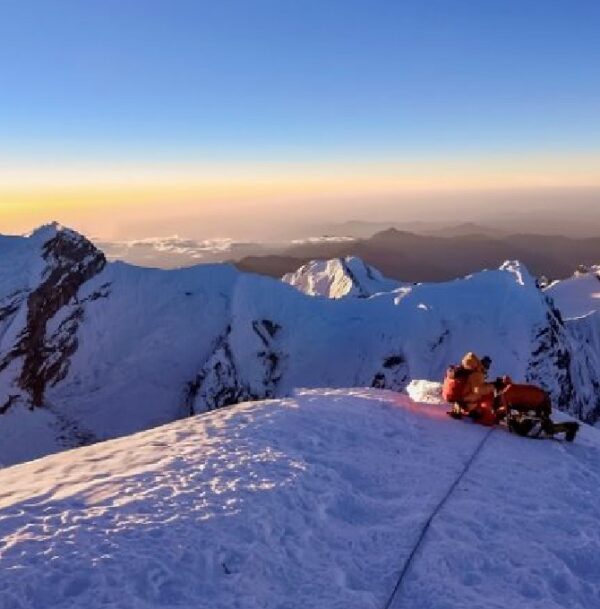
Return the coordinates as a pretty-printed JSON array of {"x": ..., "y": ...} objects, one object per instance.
[{"x": 298, "y": 113}]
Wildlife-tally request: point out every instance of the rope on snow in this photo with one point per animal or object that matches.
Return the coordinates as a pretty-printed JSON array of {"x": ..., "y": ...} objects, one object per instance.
[{"x": 436, "y": 511}]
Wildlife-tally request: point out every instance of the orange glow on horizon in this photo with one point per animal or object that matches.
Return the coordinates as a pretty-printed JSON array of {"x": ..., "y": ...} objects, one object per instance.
[{"x": 30, "y": 194}]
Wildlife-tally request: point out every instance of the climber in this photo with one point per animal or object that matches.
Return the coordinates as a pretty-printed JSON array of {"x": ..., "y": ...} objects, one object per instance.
[
  {"x": 466, "y": 387},
  {"x": 526, "y": 408}
]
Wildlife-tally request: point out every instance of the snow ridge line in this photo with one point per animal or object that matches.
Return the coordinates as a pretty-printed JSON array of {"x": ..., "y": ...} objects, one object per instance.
[{"x": 436, "y": 511}]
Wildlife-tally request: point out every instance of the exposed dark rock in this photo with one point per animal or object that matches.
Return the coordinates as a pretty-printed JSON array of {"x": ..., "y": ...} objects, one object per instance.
[
  {"x": 573, "y": 383},
  {"x": 103, "y": 292},
  {"x": 378, "y": 381},
  {"x": 10, "y": 304},
  {"x": 362, "y": 293},
  {"x": 220, "y": 382},
  {"x": 71, "y": 261},
  {"x": 392, "y": 361},
  {"x": 265, "y": 330},
  {"x": 12, "y": 399},
  {"x": 395, "y": 374},
  {"x": 441, "y": 340}
]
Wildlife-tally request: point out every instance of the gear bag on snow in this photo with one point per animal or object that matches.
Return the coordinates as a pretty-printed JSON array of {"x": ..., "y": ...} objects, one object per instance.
[
  {"x": 527, "y": 398},
  {"x": 455, "y": 383}
]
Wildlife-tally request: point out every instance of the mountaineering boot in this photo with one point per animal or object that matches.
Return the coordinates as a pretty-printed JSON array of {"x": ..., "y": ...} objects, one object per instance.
[
  {"x": 572, "y": 432},
  {"x": 570, "y": 429}
]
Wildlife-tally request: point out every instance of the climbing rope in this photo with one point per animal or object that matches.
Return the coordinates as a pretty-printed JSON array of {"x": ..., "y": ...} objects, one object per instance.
[{"x": 436, "y": 511}]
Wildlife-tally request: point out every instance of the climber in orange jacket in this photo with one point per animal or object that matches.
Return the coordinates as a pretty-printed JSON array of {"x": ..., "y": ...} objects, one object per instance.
[{"x": 467, "y": 388}]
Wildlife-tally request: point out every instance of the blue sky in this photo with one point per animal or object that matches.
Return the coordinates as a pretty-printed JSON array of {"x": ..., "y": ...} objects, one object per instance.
[
  {"x": 120, "y": 113},
  {"x": 147, "y": 79}
]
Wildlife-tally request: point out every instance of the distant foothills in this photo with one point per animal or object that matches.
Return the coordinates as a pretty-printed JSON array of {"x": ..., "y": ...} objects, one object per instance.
[{"x": 426, "y": 252}]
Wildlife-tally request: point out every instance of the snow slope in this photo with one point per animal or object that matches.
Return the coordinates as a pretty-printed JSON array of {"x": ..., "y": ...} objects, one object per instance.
[
  {"x": 312, "y": 501},
  {"x": 389, "y": 339},
  {"x": 579, "y": 295},
  {"x": 97, "y": 350},
  {"x": 92, "y": 350},
  {"x": 339, "y": 278},
  {"x": 578, "y": 300}
]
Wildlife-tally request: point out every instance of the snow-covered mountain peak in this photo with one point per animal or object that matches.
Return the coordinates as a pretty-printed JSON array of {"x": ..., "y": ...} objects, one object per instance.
[
  {"x": 521, "y": 273},
  {"x": 318, "y": 500},
  {"x": 62, "y": 246},
  {"x": 39, "y": 311},
  {"x": 49, "y": 231},
  {"x": 339, "y": 278},
  {"x": 66, "y": 246}
]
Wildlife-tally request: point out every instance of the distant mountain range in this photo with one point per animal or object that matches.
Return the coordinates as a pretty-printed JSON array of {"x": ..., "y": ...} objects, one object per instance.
[
  {"x": 407, "y": 256},
  {"x": 361, "y": 229},
  {"x": 413, "y": 252}
]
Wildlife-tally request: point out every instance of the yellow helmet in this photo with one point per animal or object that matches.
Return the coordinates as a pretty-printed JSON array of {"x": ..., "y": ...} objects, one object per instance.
[{"x": 471, "y": 362}]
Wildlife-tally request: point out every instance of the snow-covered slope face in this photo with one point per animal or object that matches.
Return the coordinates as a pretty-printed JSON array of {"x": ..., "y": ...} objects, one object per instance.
[
  {"x": 91, "y": 350},
  {"x": 579, "y": 295},
  {"x": 339, "y": 278},
  {"x": 578, "y": 300},
  {"x": 313, "y": 501},
  {"x": 386, "y": 340}
]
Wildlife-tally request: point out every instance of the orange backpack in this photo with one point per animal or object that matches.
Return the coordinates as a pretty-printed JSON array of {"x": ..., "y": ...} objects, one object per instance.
[{"x": 455, "y": 383}]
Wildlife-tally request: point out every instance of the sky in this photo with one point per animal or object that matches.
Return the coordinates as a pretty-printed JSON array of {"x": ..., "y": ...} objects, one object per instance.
[{"x": 227, "y": 118}]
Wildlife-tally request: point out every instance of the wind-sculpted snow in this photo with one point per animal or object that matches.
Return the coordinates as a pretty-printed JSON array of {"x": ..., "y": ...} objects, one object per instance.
[
  {"x": 91, "y": 350},
  {"x": 313, "y": 501}
]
